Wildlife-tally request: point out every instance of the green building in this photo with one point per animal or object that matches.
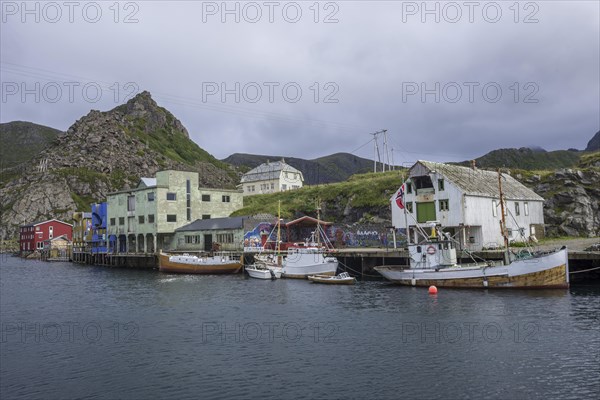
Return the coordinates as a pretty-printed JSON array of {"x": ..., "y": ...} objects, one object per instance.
[{"x": 144, "y": 219}]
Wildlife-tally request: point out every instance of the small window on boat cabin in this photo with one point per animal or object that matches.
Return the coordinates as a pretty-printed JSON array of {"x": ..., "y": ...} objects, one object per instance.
[
  {"x": 418, "y": 249},
  {"x": 171, "y": 218},
  {"x": 171, "y": 196},
  {"x": 517, "y": 210},
  {"x": 526, "y": 208},
  {"x": 408, "y": 187},
  {"x": 440, "y": 184},
  {"x": 494, "y": 208},
  {"x": 206, "y": 197}
]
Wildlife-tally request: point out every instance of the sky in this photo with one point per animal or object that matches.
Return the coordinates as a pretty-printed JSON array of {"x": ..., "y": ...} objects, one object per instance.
[{"x": 448, "y": 81}]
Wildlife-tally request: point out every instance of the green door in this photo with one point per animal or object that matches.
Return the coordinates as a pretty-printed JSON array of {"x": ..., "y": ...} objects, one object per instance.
[{"x": 426, "y": 211}]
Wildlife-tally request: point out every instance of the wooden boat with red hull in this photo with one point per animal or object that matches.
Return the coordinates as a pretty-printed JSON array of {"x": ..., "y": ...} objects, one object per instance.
[{"x": 190, "y": 264}]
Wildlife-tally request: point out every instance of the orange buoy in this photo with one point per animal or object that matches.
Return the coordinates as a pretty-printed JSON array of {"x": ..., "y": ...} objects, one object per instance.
[{"x": 432, "y": 290}]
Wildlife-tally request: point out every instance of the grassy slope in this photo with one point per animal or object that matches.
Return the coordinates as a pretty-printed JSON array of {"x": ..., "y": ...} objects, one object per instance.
[{"x": 363, "y": 191}]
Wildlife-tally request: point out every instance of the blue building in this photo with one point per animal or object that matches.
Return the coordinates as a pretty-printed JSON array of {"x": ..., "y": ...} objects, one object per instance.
[{"x": 99, "y": 236}]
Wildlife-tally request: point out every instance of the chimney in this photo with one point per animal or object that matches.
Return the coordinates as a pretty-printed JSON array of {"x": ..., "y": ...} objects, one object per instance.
[{"x": 474, "y": 165}]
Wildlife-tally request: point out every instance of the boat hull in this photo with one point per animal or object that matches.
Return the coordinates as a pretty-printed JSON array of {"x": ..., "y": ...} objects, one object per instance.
[
  {"x": 263, "y": 273},
  {"x": 329, "y": 280},
  {"x": 304, "y": 271},
  {"x": 545, "y": 272},
  {"x": 229, "y": 267}
]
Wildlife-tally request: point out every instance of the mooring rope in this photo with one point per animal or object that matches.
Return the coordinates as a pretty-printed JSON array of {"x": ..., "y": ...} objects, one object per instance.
[
  {"x": 359, "y": 272},
  {"x": 585, "y": 270}
]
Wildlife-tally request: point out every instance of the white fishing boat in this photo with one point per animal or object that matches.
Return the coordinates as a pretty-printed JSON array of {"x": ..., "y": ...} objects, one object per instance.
[
  {"x": 309, "y": 259},
  {"x": 263, "y": 272}
]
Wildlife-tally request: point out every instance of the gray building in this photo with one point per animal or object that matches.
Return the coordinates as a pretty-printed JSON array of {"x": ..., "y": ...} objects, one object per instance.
[
  {"x": 144, "y": 219},
  {"x": 211, "y": 234}
]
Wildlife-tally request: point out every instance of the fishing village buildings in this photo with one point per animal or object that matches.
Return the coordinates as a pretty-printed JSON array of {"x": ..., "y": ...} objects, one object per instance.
[
  {"x": 32, "y": 236},
  {"x": 466, "y": 203},
  {"x": 271, "y": 177}
]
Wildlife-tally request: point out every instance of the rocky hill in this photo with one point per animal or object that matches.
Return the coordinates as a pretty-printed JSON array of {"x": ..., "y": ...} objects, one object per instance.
[
  {"x": 572, "y": 206},
  {"x": 527, "y": 158},
  {"x": 594, "y": 143},
  {"x": 100, "y": 153},
  {"x": 21, "y": 141},
  {"x": 333, "y": 168}
]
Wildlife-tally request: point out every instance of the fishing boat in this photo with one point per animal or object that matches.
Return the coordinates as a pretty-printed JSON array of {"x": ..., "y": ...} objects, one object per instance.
[
  {"x": 342, "y": 279},
  {"x": 433, "y": 262},
  {"x": 263, "y": 272},
  {"x": 192, "y": 264},
  {"x": 307, "y": 259}
]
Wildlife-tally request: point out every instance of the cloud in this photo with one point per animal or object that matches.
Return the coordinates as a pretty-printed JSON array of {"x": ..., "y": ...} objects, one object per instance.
[{"x": 444, "y": 90}]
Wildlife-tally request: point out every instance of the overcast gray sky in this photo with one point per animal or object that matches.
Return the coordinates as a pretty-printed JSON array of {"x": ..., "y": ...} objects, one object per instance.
[{"x": 448, "y": 80}]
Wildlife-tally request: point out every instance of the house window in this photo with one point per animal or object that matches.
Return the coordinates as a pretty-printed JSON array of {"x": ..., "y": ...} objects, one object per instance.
[
  {"x": 121, "y": 220},
  {"x": 205, "y": 216},
  {"x": 526, "y": 208},
  {"x": 188, "y": 214},
  {"x": 494, "y": 208},
  {"x": 192, "y": 239},
  {"x": 150, "y": 218},
  {"x": 409, "y": 207},
  {"x": 408, "y": 187},
  {"x": 171, "y": 196},
  {"x": 225, "y": 237},
  {"x": 226, "y": 199},
  {"x": 141, "y": 219},
  {"x": 171, "y": 218},
  {"x": 444, "y": 205},
  {"x": 284, "y": 187},
  {"x": 440, "y": 184},
  {"x": 51, "y": 232},
  {"x": 517, "y": 210},
  {"x": 151, "y": 196},
  {"x": 272, "y": 186},
  {"x": 130, "y": 203},
  {"x": 113, "y": 221},
  {"x": 206, "y": 197}
]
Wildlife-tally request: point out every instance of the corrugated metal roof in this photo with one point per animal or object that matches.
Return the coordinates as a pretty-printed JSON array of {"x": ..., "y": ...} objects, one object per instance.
[
  {"x": 212, "y": 224},
  {"x": 147, "y": 182},
  {"x": 478, "y": 182},
  {"x": 267, "y": 171}
]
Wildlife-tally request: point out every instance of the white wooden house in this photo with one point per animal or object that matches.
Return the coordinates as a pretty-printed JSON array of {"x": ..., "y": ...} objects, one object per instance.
[
  {"x": 271, "y": 177},
  {"x": 466, "y": 203}
]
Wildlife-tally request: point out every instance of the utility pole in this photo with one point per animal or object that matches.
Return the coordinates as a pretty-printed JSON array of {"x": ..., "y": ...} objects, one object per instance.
[{"x": 376, "y": 154}]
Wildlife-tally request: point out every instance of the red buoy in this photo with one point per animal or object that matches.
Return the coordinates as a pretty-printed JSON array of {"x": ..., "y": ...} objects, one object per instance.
[{"x": 432, "y": 290}]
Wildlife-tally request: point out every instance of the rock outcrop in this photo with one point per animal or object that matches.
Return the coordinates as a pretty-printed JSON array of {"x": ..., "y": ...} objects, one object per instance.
[{"x": 101, "y": 153}]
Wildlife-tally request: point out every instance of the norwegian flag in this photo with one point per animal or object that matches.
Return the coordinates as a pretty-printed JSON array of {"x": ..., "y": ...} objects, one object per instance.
[{"x": 400, "y": 197}]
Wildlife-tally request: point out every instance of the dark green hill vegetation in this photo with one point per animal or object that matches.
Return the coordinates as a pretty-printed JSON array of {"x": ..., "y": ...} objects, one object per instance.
[
  {"x": 333, "y": 168},
  {"x": 21, "y": 141},
  {"x": 362, "y": 196},
  {"x": 526, "y": 158}
]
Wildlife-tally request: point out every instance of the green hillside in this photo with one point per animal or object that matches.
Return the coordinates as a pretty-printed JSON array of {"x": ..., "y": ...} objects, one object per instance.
[{"x": 21, "y": 141}]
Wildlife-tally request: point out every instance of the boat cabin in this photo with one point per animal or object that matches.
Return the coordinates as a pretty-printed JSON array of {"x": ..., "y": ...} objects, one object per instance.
[{"x": 432, "y": 255}]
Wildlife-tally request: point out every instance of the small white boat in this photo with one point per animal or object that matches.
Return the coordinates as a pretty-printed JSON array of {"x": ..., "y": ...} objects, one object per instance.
[
  {"x": 342, "y": 279},
  {"x": 303, "y": 261},
  {"x": 263, "y": 272}
]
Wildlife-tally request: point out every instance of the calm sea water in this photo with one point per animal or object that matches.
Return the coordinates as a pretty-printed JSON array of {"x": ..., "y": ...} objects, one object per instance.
[{"x": 72, "y": 331}]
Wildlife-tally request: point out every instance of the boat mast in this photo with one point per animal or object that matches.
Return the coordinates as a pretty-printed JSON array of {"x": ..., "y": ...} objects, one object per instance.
[
  {"x": 278, "y": 247},
  {"x": 503, "y": 220},
  {"x": 318, "y": 224}
]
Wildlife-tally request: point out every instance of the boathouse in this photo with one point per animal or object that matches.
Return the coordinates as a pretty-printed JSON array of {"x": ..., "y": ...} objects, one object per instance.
[
  {"x": 465, "y": 202},
  {"x": 271, "y": 177},
  {"x": 210, "y": 234},
  {"x": 32, "y": 236}
]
